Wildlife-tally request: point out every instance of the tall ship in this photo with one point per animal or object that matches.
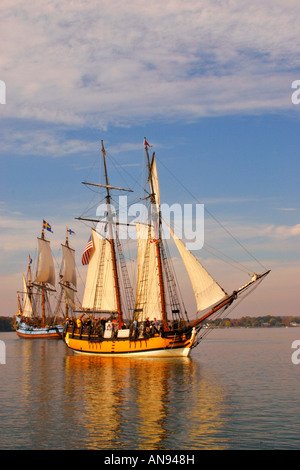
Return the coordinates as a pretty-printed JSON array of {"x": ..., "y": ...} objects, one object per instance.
[
  {"x": 115, "y": 320},
  {"x": 39, "y": 315}
]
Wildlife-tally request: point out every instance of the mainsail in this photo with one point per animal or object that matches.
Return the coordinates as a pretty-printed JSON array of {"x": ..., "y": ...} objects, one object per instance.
[
  {"x": 45, "y": 270},
  {"x": 100, "y": 292},
  {"x": 148, "y": 302},
  {"x": 207, "y": 291},
  {"x": 27, "y": 306}
]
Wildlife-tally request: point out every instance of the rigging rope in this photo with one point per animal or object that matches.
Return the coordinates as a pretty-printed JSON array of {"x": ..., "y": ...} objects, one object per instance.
[
  {"x": 216, "y": 220},
  {"x": 229, "y": 310}
]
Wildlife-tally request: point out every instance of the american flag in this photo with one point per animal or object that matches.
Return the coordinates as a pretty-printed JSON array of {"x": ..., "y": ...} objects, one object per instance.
[{"x": 85, "y": 259}]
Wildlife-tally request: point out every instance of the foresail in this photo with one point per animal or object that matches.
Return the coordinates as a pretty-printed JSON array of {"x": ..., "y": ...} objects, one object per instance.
[
  {"x": 207, "y": 291},
  {"x": 68, "y": 272},
  {"x": 148, "y": 302},
  {"x": 27, "y": 307},
  {"x": 100, "y": 292},
  {"x": 45, "y": 270}
]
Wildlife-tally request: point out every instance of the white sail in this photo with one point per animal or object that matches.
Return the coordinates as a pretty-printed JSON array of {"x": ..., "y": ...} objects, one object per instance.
[
  {"x": 27, "y": 306},
  {"x": 68, "y": 272},
  {"x": 69, "y": 296},
  {"x": 45, "y": 271},
  {"x": 207, "y": 291},
  {"x": 100, "y": 292},
  {"x": 154, "y": 182},
  {"x": 148, "y": 303}
]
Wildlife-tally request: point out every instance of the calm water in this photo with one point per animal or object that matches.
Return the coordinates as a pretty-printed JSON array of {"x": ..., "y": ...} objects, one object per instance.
[{"x": 238, "y": 390}]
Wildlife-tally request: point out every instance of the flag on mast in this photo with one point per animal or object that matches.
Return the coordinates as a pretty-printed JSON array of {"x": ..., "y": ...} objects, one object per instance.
[
  {"x": 47, "y": 226},
  {"x": 85, "y": 259}
]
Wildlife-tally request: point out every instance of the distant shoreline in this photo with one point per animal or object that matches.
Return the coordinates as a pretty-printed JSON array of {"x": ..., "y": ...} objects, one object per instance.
[
  {"x": 6, "y": 324},
  {"x": 267, "y": 321}
]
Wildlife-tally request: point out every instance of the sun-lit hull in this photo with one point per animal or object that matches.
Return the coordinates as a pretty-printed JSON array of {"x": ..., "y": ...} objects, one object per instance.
[
  {"x": 156, "y": 346},
  {"x": 39, "y": 334},
  {"x": 28, "y": 332}
]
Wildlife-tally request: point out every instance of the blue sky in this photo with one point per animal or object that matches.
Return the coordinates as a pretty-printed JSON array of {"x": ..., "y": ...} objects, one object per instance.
[{"x": 208, "y": 83}]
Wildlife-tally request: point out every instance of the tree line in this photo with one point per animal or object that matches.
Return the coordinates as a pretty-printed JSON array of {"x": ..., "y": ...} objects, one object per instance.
[
  {"x": 6, "y": 324},
  {"x": 256, "y": 322}
]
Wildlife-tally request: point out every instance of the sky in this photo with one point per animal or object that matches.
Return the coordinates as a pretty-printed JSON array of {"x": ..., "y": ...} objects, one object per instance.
[{"x": 209, "y": 83}]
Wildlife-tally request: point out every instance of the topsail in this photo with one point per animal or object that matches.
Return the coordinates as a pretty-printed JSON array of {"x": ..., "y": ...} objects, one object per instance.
[
  {"x": 154, "y": 182},
  {"x": 68, "y": 273},
  {"x": 45, "y": 270}
]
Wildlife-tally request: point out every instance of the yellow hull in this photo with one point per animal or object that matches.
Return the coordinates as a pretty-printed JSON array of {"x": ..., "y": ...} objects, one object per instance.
[{"x": 156, "y": 346}]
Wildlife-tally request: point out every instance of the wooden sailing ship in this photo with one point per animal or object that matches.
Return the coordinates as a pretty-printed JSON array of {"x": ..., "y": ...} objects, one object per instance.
[
  {"x": 156, "y": 323},
  {"x": 35, "y": 319}
]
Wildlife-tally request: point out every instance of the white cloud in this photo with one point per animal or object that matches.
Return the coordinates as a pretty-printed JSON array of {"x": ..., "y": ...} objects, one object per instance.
[
  {"x": 283, "y": 231},
  {"x": 41, "y": 142},
  {"x": 99, "y": 62}
]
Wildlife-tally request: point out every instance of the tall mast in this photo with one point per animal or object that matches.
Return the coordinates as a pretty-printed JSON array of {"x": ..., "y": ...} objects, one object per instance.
[
  {"x": 29, "y": 279},
  {"x": 67, "y": 283},
  {"x": 112, "y": 243},
  {"x": 157, "y": 228},
  {"x": 43, "y": 291},
  {"x": 29, "y": 273}
]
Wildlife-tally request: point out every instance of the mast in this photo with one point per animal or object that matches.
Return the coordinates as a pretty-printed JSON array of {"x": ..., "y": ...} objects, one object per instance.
[
  {"x": 29, "y": 279},
  {"x": 112, "y": 244},
  {"x": 157, "y": 227},
  {"x": 29, "y": 273},
  {"x": 43, "y": 291},
  {"x": 45, "y": 269},
  {"x": 67, "y": 282}
]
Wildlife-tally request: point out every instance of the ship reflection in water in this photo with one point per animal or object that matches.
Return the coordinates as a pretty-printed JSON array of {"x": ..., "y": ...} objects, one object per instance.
[
  {"x": 228, "y": 395},
  {"x": 55, "y": 399},
  {"x": 145, "y": 404}
]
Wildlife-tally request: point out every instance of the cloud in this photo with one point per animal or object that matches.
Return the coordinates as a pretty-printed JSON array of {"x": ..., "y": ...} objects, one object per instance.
[
  {"x": 283, "y": 231},
  {"x": 288, "y": 209},
  {"x": 43, "y": 142},
  {"x": 102, "y": 62}
]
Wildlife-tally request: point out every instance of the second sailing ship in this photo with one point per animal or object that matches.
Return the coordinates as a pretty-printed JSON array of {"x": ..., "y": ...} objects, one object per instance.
[{"x": 35, "y": 318}]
